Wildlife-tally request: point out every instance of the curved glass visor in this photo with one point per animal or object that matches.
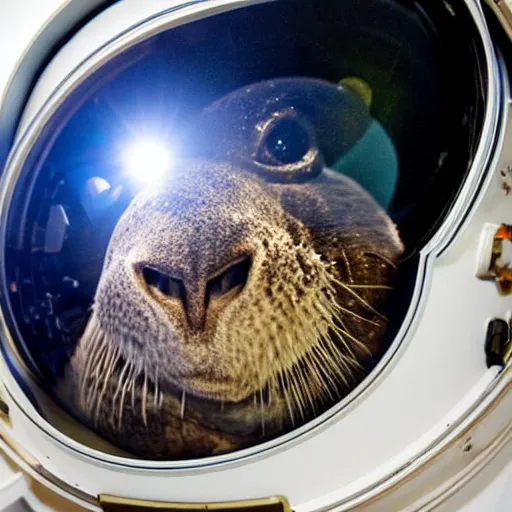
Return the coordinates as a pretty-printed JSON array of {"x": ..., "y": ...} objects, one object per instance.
[{"x": 214, "y": 239}]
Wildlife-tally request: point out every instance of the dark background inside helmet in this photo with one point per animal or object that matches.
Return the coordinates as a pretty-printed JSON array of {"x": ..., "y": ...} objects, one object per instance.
[{"x": 418, "y": 57}]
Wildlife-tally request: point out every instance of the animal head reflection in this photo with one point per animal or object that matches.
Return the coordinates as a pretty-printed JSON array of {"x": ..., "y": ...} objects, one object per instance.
[{"x": 242, "y": 295}]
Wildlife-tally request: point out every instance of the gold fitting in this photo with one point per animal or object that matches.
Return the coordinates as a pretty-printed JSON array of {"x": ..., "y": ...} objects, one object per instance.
[
  {"x": 116, "y": 504},
  {"x": 503, "y": 12},
  {"x": 4, "y": 413}
]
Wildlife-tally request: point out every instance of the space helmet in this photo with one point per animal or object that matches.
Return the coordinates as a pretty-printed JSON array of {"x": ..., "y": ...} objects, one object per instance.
[{"x": 241, "y": 234}]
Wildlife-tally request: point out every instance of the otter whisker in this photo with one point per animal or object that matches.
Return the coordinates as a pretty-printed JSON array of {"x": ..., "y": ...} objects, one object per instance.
[
  {"x": 347, "y": 265},
  {"x": 382, "y": 258},
  {"x": 327, "y": 358},
  {"x": 291, "y": 382},
  {"x": 273, "y": 388},
  {"x": 322, "y": 376},
  {"x": 99, "y": 337},
  {"x": 314, "y": 377},
  {"x": 134, "y": 372},
  {"x": 183, "y": 402},
  {"x": 132, "y": 389},
  {"x": 332, "y": 325},
  {"x": 340, "y": 336},
  {"x": 370, "y": 287},
  {"x": 347, "y": 356},
  {"x": 155, "y": 397},
  {"x": 304, "y": 386},
  {"x": 310, "y": 374},
  {"x": 349, "y": 312},
  {"x": 129, "y": 380},
  {"x": 306, "y": 389},
  {"x": 325, "y": 362},
  {"x": 97, "y": 378},
  {"x": 343, "y": 332},
  {"x": 328, "y": 383},
  {"x": 99, "y": 370},
  {"x": 109, "y": 368},
  {"x": 95, "y": 349},
  {"x": 368, "y": 306},
  {"x": 336, "y": 366},
  {"x": 287, "y": 399},
  {"x": 261, "y": 400},
  {"x": 339, "y": 328},
  {"x": 270, "y": 389},
  {"x": 144, "y": 399},
  {"x": 348, "y": 363},
  {"x": 120, "y": 380},
  {"x": 262, "y": 408},
  {"x": 276, "y": 394},
  {"x": 85, "y": 377},
  {"x": 309, "y": 382},
  {"x": 331, "y": 314},
  {"x": 92, "y": 335},
  {"x": 333, "y": 361},
  {"x": 91, "y": 338}
]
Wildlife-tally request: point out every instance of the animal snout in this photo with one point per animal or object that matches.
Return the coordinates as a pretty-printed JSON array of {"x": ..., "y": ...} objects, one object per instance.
[{"x": 200, "y": 296}]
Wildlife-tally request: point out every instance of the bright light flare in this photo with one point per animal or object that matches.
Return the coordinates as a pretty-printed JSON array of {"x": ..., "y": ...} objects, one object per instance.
[{"x": 147, "y": 160}]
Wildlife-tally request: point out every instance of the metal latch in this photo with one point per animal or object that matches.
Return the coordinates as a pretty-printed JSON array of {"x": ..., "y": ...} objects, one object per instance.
[
  {"x": 498, "y": 342},
  {"x": 116, "y": 504}
]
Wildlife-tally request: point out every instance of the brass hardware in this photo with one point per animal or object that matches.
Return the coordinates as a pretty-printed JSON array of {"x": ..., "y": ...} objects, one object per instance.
[
  {"x": 496, "y": 256},
  {"x": 503, "y": 12},
  {"x": 4, "y": 414},
  {"x": 502, "y": 272},
  {"x": 115, "y": 504},
  {"x": 4, "y": 410}
]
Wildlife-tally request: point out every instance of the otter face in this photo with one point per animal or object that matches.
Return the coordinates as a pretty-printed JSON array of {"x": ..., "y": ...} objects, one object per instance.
[{"x": 242, "y": 295}]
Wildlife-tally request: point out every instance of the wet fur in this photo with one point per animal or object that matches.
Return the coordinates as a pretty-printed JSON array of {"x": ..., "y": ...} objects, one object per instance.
[{"x": 168, "y": 381}]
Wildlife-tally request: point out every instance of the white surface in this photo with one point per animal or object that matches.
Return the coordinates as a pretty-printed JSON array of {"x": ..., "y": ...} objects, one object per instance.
[
  {"x": 494, "y": 497},
  {"x": 485, "y": 250},
  {"x": 12, "y": 483},
  {"x": 15, "y": 35},
  {"x": 423, "y": 391},
  {"x": 18, "y": 38},
  {"x": 489, "y": 491}
]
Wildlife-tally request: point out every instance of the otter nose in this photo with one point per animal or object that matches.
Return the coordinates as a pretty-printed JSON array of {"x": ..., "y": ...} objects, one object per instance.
[{"x": 200, "y": 296}]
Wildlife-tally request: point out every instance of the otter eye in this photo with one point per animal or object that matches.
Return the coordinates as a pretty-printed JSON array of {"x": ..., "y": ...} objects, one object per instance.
[{"x": 286, "y": 142}]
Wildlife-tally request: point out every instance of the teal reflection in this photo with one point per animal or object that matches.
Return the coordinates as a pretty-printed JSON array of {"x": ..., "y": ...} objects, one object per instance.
[{"x": 373, "y": 163}]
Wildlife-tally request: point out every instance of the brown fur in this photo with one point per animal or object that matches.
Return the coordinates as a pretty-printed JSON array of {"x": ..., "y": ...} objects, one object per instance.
[{"x": 167, "y": 377}]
